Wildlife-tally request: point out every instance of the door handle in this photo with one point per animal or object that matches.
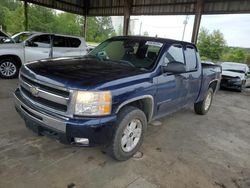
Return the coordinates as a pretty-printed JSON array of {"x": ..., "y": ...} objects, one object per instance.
[
  {"x": 183, "y": 77},
  {"x": 45, "y": 51}
]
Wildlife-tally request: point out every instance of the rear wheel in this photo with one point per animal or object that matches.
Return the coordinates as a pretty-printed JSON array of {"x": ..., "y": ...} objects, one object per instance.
[
  {"x": 203, "y": 106},
  {"x": 8, "y": 68},
  {"x": 128, "y": 137}
]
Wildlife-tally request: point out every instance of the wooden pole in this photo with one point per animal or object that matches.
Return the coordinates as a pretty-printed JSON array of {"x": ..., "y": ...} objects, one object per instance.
[
  {"x": 26, "y": 22},
  {"x": 85, "y": 27},
  {"x": 127, "y": 12},
  {"x": 197, "y": 20}
]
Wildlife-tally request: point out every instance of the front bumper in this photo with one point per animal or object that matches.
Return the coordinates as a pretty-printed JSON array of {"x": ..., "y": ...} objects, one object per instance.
[
  {"x": 98, "y": 131},
  {"x": 231, "y": 84}
]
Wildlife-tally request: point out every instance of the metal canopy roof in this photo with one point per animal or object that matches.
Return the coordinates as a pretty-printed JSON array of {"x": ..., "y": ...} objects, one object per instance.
[
  {"x": 127, "y": 8},
  {"x": 145, "y": 7}
]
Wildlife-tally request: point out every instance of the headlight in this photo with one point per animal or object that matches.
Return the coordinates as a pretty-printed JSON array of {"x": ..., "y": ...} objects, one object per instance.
[{"x": 93, "y": 103}]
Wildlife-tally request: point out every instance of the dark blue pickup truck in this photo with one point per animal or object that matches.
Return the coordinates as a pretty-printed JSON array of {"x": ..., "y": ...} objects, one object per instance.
[{"x": 109, "y": 96}]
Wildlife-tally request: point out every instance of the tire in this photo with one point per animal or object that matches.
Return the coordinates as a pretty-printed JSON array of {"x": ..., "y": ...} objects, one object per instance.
[
  {"x": 203, "y": 106},
  {"x": 9, "y": 68},
  {"x": 127, "y": 118}
]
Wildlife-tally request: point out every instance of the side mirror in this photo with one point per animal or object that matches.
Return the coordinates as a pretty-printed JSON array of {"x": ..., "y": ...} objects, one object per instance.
[{"x": 174, "y": 67}]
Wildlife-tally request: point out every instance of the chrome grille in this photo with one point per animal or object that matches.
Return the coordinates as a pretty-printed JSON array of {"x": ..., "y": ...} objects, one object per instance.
[{"x": 44, "y": 96}]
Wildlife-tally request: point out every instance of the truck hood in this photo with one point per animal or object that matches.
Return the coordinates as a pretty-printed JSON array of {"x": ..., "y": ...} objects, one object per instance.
[
  {"x": 78, "y": 73},
  {"x": 233, "y": 74}
]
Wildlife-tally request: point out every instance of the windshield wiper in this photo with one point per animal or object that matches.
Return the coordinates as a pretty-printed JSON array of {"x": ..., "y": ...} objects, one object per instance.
[
  {"x": 93, "y": 57},
  {"x": 123, "y": 62}
]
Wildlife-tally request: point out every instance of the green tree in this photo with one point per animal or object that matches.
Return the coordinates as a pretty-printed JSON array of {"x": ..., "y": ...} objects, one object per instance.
[
  {"x": 247, "y": 61},
  {"x": 234, "y": 55},
  {"x": 99, "y": 29},
  {"x": 41, "y": 19},
  {"x": 14, "y": 20},
  {"x": 211, "y": 45},
  {"x": 3, "y": 13},
  {"x": 47, "y": 20},
  {"x": 66, "y": 23}
]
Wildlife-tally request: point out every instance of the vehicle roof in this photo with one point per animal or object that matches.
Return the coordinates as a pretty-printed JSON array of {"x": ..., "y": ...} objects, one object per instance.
[
  {"x": 38, "y": 33},
  {"x": 235, "y": 66},
  {"x": 156, "y": 39}
]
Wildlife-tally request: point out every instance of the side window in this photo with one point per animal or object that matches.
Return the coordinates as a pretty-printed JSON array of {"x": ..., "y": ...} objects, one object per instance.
[
  {"x": 174, "y": 53},
  {"x": 60, "y": 42},
  {"x": 191, "y": 60},
  {"x": 74, "y": 42},
  {"x": 42, "y": 41}
]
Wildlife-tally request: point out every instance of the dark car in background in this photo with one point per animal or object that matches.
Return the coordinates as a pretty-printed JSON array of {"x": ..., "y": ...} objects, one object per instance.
[{"x": 234, "y": 75}]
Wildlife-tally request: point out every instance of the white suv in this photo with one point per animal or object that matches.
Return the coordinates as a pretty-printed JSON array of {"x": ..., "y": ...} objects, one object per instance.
[{"x": 30, "y": 46}]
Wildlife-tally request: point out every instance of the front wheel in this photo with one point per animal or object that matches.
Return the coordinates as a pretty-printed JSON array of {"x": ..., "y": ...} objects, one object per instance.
[
  {"x": 8, "y": 68},
  {"x": 128, "y": 137},
  {"x": 203, "y": 106}
]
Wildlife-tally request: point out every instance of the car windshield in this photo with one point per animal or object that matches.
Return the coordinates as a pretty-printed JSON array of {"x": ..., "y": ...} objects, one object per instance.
[
  {"x": 137, "y": 53},
  {"x": 234, "y": 68},
  {"x": 18, "y": 38}
]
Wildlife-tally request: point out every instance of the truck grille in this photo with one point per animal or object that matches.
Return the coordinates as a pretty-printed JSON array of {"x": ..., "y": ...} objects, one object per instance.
[{"x": 45, "y": 96}]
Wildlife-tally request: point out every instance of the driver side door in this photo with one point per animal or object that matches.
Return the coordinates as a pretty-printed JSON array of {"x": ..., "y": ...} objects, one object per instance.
[
  {"x": 172, "y": 88},
  {"x": 38, "y": 47}
]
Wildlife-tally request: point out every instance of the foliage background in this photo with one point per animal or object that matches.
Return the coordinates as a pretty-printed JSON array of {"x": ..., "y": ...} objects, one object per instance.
[
  {"x": 48, "y": 20},
  {"x": 213, "y": 47}
]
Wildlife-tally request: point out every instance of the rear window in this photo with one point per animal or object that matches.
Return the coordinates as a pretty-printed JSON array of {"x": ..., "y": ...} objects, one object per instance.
[
  {"x": 60, "y": 41},
  {"x": 66, "y": 42},
  {"x": 74, "y": 42}
]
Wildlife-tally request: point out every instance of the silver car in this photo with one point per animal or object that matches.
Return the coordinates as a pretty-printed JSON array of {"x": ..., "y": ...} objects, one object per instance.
[
  {"x": 30, "y": 46},
  {"x": 234, "y": 75}
]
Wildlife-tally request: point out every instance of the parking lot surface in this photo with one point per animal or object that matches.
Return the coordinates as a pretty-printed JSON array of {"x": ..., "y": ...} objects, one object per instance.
[{"x": 186, "y": 150}]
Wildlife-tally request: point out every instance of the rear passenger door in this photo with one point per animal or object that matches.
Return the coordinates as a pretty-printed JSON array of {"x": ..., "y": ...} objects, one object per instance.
[
  {"x": 193, "y": 73},
  {"x": 66, "y": 46}
]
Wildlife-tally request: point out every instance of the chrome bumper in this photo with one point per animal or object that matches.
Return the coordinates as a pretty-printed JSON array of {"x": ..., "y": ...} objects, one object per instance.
[{"x": 39, "y": 117}]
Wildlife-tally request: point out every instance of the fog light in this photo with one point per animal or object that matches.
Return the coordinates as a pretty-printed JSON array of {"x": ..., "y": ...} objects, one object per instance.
[{"x": 84, "y": 141}]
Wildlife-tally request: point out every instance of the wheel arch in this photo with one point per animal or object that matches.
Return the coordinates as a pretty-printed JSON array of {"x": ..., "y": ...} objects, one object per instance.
[
  {"x": 17, "y": 58},
  {"x": 144, "y": 103},
  {"x": 213, "y": 84}
]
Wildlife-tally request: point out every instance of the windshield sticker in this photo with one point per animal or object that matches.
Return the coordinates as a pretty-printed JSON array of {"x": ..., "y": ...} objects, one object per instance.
[{"x": 152, "y": 43}]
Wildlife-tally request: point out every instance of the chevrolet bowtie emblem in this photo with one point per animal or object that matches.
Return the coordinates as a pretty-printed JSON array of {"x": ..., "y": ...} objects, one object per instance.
[{"x": 34, "y": 91}]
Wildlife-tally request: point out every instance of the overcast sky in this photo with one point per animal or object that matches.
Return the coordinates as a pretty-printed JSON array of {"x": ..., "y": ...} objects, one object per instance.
[{"x": 236, "y": 28}]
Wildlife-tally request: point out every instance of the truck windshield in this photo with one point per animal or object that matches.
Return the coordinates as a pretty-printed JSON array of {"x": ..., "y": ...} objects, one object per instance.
[{"x": 137, "y": 53}]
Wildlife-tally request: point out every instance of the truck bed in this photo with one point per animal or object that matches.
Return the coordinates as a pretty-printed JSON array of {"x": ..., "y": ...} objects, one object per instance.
[{"x": 210, "y": 73}]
